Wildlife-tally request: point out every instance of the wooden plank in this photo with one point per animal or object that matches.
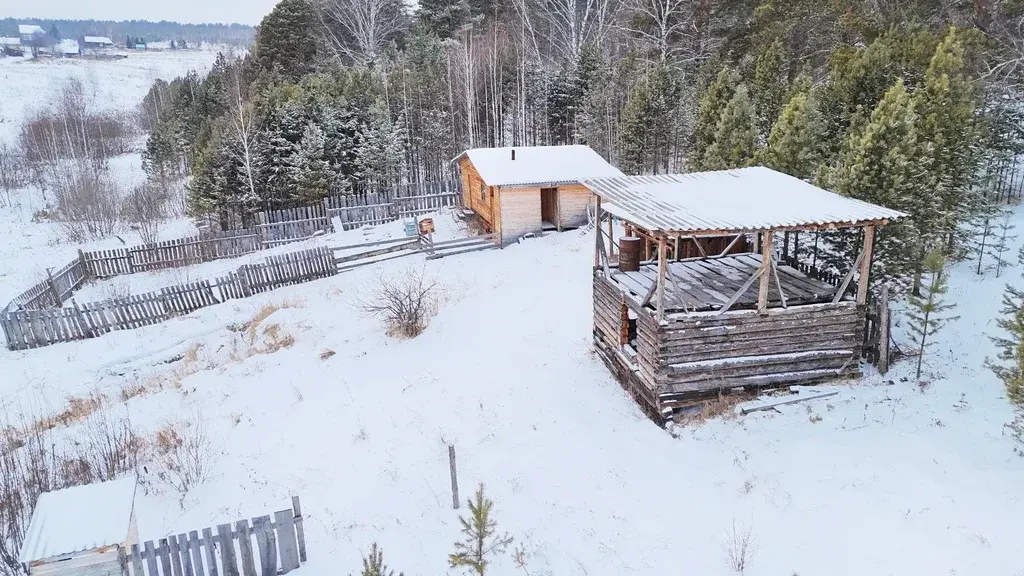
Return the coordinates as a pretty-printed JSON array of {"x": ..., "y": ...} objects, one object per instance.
[
  {"x": 151, "y": 558},
  {"x": 197, "y": 554},
  {"x": 211, "y": 559},
  {"x": 186, "y": 557},
  {"x": 136, "y": 562},
  {"x": 285, "y": 524},
  {"x": 226, "y": 543},
  {"x": 865, "y": 265},
  {"x": 175, "y": 554},
  {"x": 266, "y": 543},
  {"x": 245, "y": 548},
  {"x": 300, "y": 530},
  {"x": 765, "y": 270},
  {"x": 164, "y": 552},
  {"x": 768, "y": 405}
]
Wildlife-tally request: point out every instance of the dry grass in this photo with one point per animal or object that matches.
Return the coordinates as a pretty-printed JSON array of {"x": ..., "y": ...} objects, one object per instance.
[
  {"x": 327, "y": 353},
  {"x": 78, "y": 409},
  {"x": 723, "y": 407},
  {"x": 185, "y": 453},
  {"x": 133, "y": 390},
  {"x": 740, "y": 547}
]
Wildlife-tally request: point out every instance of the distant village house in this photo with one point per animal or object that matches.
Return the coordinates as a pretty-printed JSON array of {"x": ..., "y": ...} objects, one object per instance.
[
  {"x": 97, "y": 42},
  {"x": 11, "y": 47},
  {"x": 529, "y": 189}
]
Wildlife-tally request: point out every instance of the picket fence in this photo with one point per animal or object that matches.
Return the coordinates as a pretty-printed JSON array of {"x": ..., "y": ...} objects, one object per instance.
[{"x": 228, "y": 550}]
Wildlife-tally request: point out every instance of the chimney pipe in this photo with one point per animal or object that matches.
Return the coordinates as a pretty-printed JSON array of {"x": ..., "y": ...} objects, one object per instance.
[{"x": 513, "y": 153}]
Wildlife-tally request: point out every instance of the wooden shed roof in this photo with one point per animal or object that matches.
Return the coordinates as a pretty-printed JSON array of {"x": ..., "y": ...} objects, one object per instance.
[
  {"x": 729, "y": 201},
  {"x": 528, "y": 166},
  {"x": 79, "y": 519}
]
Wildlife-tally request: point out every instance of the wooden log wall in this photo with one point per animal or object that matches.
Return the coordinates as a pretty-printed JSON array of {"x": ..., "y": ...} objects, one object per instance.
[
  {"x": 280, "y": 547},
  {"x": 703, "y": 352}
]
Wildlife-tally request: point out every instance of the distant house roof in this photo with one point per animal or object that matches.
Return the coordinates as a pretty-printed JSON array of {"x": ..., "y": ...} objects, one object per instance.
[
  {"x": 68, "y": 46},
  {"x": 97, "y": 40},
  {"x": 536, "y": 165},
  {"x": 30, "y": 29},
  {"x": 746, "y": 199},
  {"x": 10, "y": 41},
  {"x": 79, "y": 519}
]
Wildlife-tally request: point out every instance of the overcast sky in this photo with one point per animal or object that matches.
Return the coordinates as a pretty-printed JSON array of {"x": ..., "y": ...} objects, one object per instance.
[{"x": 187, "y": 11}]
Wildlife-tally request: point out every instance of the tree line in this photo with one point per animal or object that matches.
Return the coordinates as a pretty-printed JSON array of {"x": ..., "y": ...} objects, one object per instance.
[{"x": 228, "y": 34}]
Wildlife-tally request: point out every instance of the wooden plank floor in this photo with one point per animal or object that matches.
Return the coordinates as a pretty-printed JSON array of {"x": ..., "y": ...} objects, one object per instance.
[{"x": 701, "y": 285}]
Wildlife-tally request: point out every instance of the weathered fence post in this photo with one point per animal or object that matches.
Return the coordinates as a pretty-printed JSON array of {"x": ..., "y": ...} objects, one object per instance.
[
  {"x": 300, "y": 532},
  {"x": 455, "y": 480},
  {"x": 53, "y": 286},
  {"x": 884, "y": 317}
]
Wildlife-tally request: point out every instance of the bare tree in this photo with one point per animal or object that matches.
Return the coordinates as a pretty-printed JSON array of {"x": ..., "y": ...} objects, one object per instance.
[
  {"x": 145, "y": 208},
  {"x": 13, "y": 173},
  {"x": 569, "y": 25},
  {"x": 244, "y": 124},
  {"x": 88, "y": 202},
  {"x": 668, "y": 26},
  {"x": 359, "y": 30}
]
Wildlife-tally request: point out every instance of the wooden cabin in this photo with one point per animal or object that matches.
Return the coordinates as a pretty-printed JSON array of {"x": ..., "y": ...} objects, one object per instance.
[
  {"x": 527, "y": 190},
  {"x": 82, "y": 531},
  {"x": 675, "y": 326}
]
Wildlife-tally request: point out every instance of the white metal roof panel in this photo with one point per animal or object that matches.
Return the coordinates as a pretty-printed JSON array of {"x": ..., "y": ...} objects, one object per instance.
[
  {"x": 78, "y": 519},
  {"x": 30, "y": 29},
  {"x": 537, "y": 165},
  {"x": 755, "y": 198},
  {"x": 97, "y": 40}
]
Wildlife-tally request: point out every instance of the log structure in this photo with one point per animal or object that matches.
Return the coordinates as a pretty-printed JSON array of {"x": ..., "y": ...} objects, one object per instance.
[{"x": 688, "y": 326}]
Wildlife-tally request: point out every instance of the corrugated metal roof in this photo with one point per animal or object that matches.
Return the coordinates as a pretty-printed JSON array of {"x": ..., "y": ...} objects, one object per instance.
[
  {"x": 97, "y": 40},
  {"x": 755, "y": 198},
  {"x": 30, "y": 29},
  {"x": 538, "y": 165},
  {"x": 79, "y": 519}
]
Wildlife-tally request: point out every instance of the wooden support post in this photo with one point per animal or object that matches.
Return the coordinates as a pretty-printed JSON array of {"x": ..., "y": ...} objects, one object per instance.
[
  {"x": 597, "y": 232},
  {"x": 455, "y": 480},
  {"x": 766, "y": 264},
  {"x": 884, "y": 317},
  {"x": 662, "y": 271},
  {"x": 865, "y": 265},
  {"x": 611, "y": 237}
]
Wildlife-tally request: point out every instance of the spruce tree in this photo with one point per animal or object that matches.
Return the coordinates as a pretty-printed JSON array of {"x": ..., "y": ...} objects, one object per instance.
[
  {"x": 735, "y": 140},
  {"x": 373, "y": 565},
  {"x": 481, "y": 541},
  {"x": 713, "y": 102},
  {"x": 1009, "y": 365},
  {"x": 444, "y": 17},
  {"x": 881, "y": 163},
  {"x": 769, "y": 86},
  {"x": 793, "y": 143},
  {"x": 1001, "y": 239},
  {"x": 310, "y": 170},
  {"x": 285, "y": 43},
  {"x": 926, "y": 313}
]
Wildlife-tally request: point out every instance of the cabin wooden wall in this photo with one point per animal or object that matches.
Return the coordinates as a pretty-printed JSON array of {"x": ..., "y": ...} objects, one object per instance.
[
  {"x": 471, "y": 183},
  {"x": 519, "y": 213},
  {"x": 102, "y": 562},
  {"x": 704, "y": 352},
  {"x": 572, "y": 205}
]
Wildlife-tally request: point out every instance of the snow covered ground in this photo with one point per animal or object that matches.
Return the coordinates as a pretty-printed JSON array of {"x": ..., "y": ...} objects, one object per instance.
[
  {"x": 884, "y": 478},
  {"x": 26, "y": 84}
]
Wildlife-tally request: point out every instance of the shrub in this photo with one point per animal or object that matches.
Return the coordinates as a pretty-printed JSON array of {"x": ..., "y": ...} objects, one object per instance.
[
  {"x": 405, "y": 303},
  {"x": 185, "y": 452},
  {"x": 740, "y": 547}
]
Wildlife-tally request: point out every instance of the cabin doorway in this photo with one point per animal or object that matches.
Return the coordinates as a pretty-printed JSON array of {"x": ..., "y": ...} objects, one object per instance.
[{"x": 549, "y": 208}]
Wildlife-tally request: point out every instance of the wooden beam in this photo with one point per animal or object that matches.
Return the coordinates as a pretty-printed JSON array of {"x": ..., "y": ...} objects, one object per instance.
[
  {"x": 611, "y": 236},
  {"x": 597, "y": 232},
  {"x": 700, "y": 248},
  {"x": 766, "y": 265},
  {"x": 848, "y": 278},
  {"x": 742, "y": 290},
  {"x": 662, "y": 271},
  {"x": 865, "y": 265},
  {"x": 729, "y": 247},
  {"x": 778, "y": 284}
]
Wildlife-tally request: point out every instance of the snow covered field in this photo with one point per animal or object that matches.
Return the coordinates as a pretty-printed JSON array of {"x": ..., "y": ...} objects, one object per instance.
[
  {"x": 27, "y": 84},
  {"x": 884, "y": 478}
]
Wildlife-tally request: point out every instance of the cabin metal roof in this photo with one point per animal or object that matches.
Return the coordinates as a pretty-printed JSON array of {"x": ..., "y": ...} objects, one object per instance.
[
  {"x": 538, "y": 165},
  {"x": 79, "y": 519},
  {"x": 745, "y": 199}
]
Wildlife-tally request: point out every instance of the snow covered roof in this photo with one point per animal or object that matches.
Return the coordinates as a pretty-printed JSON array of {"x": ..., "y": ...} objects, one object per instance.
[
  {"x": 745, "y": 199},
  {"x": 10, "y": 41},
  {"x": 536, "y": 165},
  {"x": 30, "y": 29},
  {"x": 97, "y": 40},
  {"x": 80, "y": 518}
]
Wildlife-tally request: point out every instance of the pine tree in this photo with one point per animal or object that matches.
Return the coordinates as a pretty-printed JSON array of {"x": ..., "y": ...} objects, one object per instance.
[
  {"x": 284, "y": 41},
  {"x": 793, "y": 143},
  {"x": 650, "y": 123},
  {"x": 310, "y": 170},
  {"x": 926, "y": 313},
  {"x": 735, "y": 140},
  {"x": 769, "y": 86},
  {"x": 373, "y": 565},
  {"x": 714, "y": 101},
  {"x": 1009, "y": 366},
  {"x": 1001, "y": 240},
  {"x": 481, "y": 541},
  {"x": 881, "y": 163},
  {"x": 444, "y": 17},
  {"x": 380, "y": 154}
]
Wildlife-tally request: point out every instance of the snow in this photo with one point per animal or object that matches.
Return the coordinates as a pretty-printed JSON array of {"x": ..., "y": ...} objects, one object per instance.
[
  {"x": 80, "y": 518},
  {"x": 30, "y": 29},
  {"x": 755, "y": 198},
  {"x": 27, "y": 84},
  {"x": 97, "y": 40},
  {"x": 536, "y": 165}
]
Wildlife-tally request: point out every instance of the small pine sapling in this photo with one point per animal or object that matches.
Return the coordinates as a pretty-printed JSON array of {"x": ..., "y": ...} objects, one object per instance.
[
  {"x": 481, "y": 539},
  {"x": 1009, "y": 366},
  {"x": 1000, "y": 242},
  {"x": 373, "y": 565},
  {"x": 926, "y": 311}
]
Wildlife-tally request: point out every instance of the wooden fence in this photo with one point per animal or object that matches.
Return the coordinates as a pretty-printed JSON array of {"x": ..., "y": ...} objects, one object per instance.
[
  {"x": 228, "y": 550},
  {"x": 35, "y": 328},
  {"x": 168, "y": 254}
]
